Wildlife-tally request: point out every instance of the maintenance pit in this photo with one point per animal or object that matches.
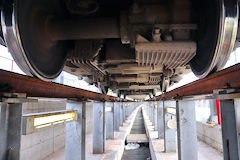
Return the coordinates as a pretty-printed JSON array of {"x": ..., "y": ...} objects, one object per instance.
[
  {"x": 129, "y": 79},
  {"x": 101, "y": 126}
]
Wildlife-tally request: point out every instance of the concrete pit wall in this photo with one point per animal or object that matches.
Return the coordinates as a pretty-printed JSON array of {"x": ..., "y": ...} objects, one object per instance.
[
  {"x": 46, "y": 141},
  {"x": 212, "y": 135}
]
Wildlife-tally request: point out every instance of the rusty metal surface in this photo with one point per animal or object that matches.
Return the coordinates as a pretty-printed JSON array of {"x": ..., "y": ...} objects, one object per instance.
[
  {"x": 227, "y": 78},
  {"x": 33, "y": 87}
]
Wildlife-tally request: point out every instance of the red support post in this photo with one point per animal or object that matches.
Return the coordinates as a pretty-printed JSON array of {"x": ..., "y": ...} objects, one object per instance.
[{"x": 218, "y": 111}]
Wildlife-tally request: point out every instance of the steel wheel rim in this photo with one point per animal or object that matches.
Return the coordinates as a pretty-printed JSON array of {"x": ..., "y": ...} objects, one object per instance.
[{"x": 228, "y": 25}]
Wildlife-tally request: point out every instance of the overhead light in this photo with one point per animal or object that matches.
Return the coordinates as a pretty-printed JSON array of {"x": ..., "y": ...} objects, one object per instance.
[
  {"x": 171, "y": 110},
  {"x": 35, "y": 121}
]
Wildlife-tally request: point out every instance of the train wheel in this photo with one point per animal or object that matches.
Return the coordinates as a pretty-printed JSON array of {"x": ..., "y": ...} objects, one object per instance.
[
  {"x": 24, "y": 30},
  {"x": 217, "y": 29}
]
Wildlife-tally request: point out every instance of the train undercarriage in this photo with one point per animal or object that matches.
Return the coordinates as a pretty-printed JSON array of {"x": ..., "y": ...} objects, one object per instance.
[{"x": 134, "y": 47}]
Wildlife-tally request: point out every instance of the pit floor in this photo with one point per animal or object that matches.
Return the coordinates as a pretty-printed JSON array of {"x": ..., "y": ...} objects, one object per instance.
[
  {"x": 143, "y": 152},
  {"x": 205, "y": 152}
]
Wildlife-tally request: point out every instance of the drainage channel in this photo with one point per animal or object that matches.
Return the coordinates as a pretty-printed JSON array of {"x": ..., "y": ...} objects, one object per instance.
[{"x": 137, "y": 137}]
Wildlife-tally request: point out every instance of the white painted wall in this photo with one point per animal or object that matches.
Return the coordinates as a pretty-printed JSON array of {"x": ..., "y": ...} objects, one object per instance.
[{"x": 46, "y": 141}]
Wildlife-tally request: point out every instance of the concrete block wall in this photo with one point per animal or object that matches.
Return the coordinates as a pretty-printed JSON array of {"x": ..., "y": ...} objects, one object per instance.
[
  {"x": 46, "y": 141},
  {"x": 43, "y": 106},
  {"x": 211, "y": 135}
]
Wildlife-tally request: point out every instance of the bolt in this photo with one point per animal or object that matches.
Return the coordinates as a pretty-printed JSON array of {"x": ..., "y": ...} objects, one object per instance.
[
  {"x": 100, "y": 113},
  {"x": 182, "y": 111}
]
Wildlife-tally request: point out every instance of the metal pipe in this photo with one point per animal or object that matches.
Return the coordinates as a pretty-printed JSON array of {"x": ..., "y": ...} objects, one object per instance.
[
  {"x": 218, "y": 111},
  {"x": 72, "y": 29}
]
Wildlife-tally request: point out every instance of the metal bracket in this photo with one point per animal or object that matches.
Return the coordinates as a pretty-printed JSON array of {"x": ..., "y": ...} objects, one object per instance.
[
  {"x": 16, "y": 98},
  {"x": 78, "y": 99},
  {"x": 226, "y": 94}
]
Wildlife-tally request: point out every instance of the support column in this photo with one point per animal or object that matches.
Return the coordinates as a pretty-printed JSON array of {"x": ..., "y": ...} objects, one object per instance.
[
  {"x": 116, "y": 118},
  {"x": 169, "y": 128},
  {"x": 124, "y": 111},
  {"x": 151, "y": 112},
  {"x": 213, "y": 111},
  {"x": 98, "y": 127},
  {"x": 160, "y": 119},
  {"x": 131, "y": 107},
  {"x": 147, "y": 108},
  {"x": 186, "y": 130},
  {"x": 109, "y": 120},
  {"x": 155, "y": 116},
  {"x": 230, "y": 115},
  {"x": 121, "y": 114},
  {"x": 76, "y": 132},
  {"x": 10, "y": 130},
  {"x": 127, "y": 110}
]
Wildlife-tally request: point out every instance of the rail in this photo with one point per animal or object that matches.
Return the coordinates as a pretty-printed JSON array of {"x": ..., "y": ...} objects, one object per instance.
[
  {"x": 227, "y": 78},
  {"x": 33, "y": 87}
]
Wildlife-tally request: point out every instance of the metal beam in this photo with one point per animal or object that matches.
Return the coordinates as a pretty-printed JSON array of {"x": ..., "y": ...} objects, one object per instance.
[
  {"x": 186, "y": 130},
  {"x": 151, "y": 111},
  {"x": 109, "y": 122},
  {"x": 227, "y": 78},
  {"x": 160, "y": 120},
  {"x": 76, "y": 132},
  {"x": 10, "y": 132},
  {"x": 230, "y": 116},
  {"x": 121, "y": 118},
  {"x": 124, "y": 111},
  {"x": 116, "y": 117},
  {"x": 99, "y": 127},
  {"x": 169, "y": 128},
  {"x": 155, "y": 120}
]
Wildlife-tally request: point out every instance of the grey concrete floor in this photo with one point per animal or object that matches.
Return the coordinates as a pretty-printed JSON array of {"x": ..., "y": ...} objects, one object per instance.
[
  {"x": 113, "y": 147},
  {"x": 138, "y": 124},
  {"x": 205, "y": 152},
  {"x": 142, "y": 153}
]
